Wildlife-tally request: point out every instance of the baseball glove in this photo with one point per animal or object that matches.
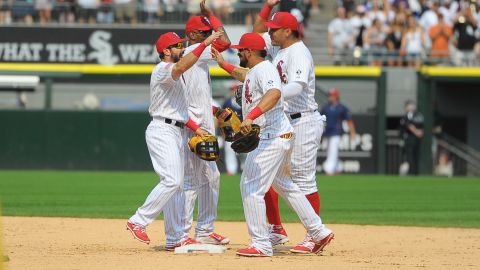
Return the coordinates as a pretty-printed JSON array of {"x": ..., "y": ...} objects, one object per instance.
[
  {"x": 206, "y": 149},
  {"x": 244, "y": 143},
  {"x": 229, "y": 123}
]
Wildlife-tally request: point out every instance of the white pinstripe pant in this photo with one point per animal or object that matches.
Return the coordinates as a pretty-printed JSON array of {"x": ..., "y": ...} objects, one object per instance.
[
  {"x": 308, "y": 133},
  {"x": 332, "y": 164},
  {"x": 264, "y": 166},
  {"x": 202, "y": 180},
  {"x": 165, "y": 145}
]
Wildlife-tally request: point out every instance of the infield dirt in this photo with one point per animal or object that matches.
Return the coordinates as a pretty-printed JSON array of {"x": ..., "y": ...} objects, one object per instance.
[{"x": 72, "y": 243}]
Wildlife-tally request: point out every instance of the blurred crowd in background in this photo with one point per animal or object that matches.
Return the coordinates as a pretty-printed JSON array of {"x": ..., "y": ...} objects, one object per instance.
[
  {"x": 405, "y": 33},
  {"x": 362, "y": 32},
  {"x": 136, "y": 11}
]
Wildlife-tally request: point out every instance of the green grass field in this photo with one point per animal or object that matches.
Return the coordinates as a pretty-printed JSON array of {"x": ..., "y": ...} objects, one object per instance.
[{"x": 419, "y": 201}]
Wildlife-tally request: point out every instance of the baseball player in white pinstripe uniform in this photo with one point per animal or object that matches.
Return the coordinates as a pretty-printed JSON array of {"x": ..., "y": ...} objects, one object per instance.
[
  {"x": 202, "y": 178},
  {"x": 268, "y": 164},
  {"x": 295, "y": 66},
  {"x": 164, "y": 134}
]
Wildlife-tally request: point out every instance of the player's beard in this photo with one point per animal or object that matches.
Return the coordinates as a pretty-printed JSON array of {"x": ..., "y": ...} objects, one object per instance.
[
  {"x": 176, "y": 57},
  {"x": 243, "y": 62}
]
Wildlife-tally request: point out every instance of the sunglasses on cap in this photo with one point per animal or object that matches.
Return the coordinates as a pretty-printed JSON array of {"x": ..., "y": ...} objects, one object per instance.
[{"x": 178, "y": 46}]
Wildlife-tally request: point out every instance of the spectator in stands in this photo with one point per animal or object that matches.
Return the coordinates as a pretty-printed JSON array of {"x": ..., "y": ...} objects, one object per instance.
[
  {"x": 22, "y": 11},
  {"x": 394, "y": 40},
  {"x": 464, "y": 33},
  {"x": 87, "y": 11},
  {"x": 374, "y": 42},
  {"x": 413, "y": 43},
  {"x": 65, "y": 10},
  {"x": 125, "y": 11},
  {"x": 424, "y": 6},
  {"x": 401, "y": 10},
  {"x": 411, "y": 131},
  {"x": 427, "y": 20},
  {"x": 399, "y": 4},
  {"x": 340, "y": 38},
  {"x": 360, "y": 23},
  {"x": 44, "y": 10},
  {"x": 5, "y": 11},
  {"x": 440, "y": 35},
  {"x": 449, "y": 11},
  {"x": 349, "y": 6},
  {"x": 375, "y": 12},
  {"x": 150, "y": 11},
  {"x": 105, "y": 12}
]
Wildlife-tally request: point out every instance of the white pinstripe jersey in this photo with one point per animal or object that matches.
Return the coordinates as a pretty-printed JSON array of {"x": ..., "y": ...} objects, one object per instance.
[
  {"x": 168, "y": 98},
  {"x": 295, "y": 64},
  {"x": 199, "y": 89},
  {"x": 259, "y": 79}
]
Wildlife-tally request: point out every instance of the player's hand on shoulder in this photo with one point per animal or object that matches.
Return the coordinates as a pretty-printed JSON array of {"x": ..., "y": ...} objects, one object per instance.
[{"x": 246, "y": 126}]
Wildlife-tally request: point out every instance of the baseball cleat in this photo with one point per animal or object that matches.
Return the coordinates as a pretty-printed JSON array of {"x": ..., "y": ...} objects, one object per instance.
[
  {"x": 251, "y": 252},
  {"x": 188, "y": 241},
  {"x": 306, "y": 246},
  {"x": 322, "y": 243},
  {"x": 278, "y": 235},
  {"x": 214, "y": 239},
  {"x": 138, "y": 232}
]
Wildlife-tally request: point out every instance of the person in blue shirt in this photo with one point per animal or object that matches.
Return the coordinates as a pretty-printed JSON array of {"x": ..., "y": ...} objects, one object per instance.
[{"x": 336, "y": 114}]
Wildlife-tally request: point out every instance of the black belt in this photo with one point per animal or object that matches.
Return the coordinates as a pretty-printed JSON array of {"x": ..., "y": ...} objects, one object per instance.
[
  {"x": 178, "y": 124},
  {"x": 297, "y": 115}
]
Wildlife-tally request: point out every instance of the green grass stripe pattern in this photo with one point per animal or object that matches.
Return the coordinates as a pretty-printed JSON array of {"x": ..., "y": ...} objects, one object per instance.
[{"x": 346, "y": 199}]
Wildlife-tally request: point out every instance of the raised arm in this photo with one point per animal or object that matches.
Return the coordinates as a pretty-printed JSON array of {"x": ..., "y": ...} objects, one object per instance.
[
  {"x": 190, "y": 59},
  {"x": 238, "y": 73},
  {"x": 223, "y": 42},
  {"x": 263, "y": 16}
]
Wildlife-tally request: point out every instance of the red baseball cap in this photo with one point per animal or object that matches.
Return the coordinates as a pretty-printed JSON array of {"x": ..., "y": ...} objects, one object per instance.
[
  {"x": 334, "y": 92},
  {"x": 200, "y": 23},
  {"x": 166, "y": 40},
  {"x": 282, "y": 20},
  {"x": 251, "y": 41}
]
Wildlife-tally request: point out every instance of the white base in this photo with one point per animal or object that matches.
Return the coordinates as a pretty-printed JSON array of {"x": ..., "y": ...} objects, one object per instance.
[{"x": 200, "y": 248}]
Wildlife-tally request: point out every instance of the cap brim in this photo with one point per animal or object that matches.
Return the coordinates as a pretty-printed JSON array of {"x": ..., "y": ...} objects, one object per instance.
[
  {"x": 175, "y": 42},
  {"x": 270, "y": 24},
  {"x": 202, "y": 28},
  {"x": 179, "y": 40}
]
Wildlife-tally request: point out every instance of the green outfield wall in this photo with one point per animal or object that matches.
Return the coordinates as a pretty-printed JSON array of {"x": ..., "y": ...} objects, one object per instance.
[{"x": 73, "y": 140}]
